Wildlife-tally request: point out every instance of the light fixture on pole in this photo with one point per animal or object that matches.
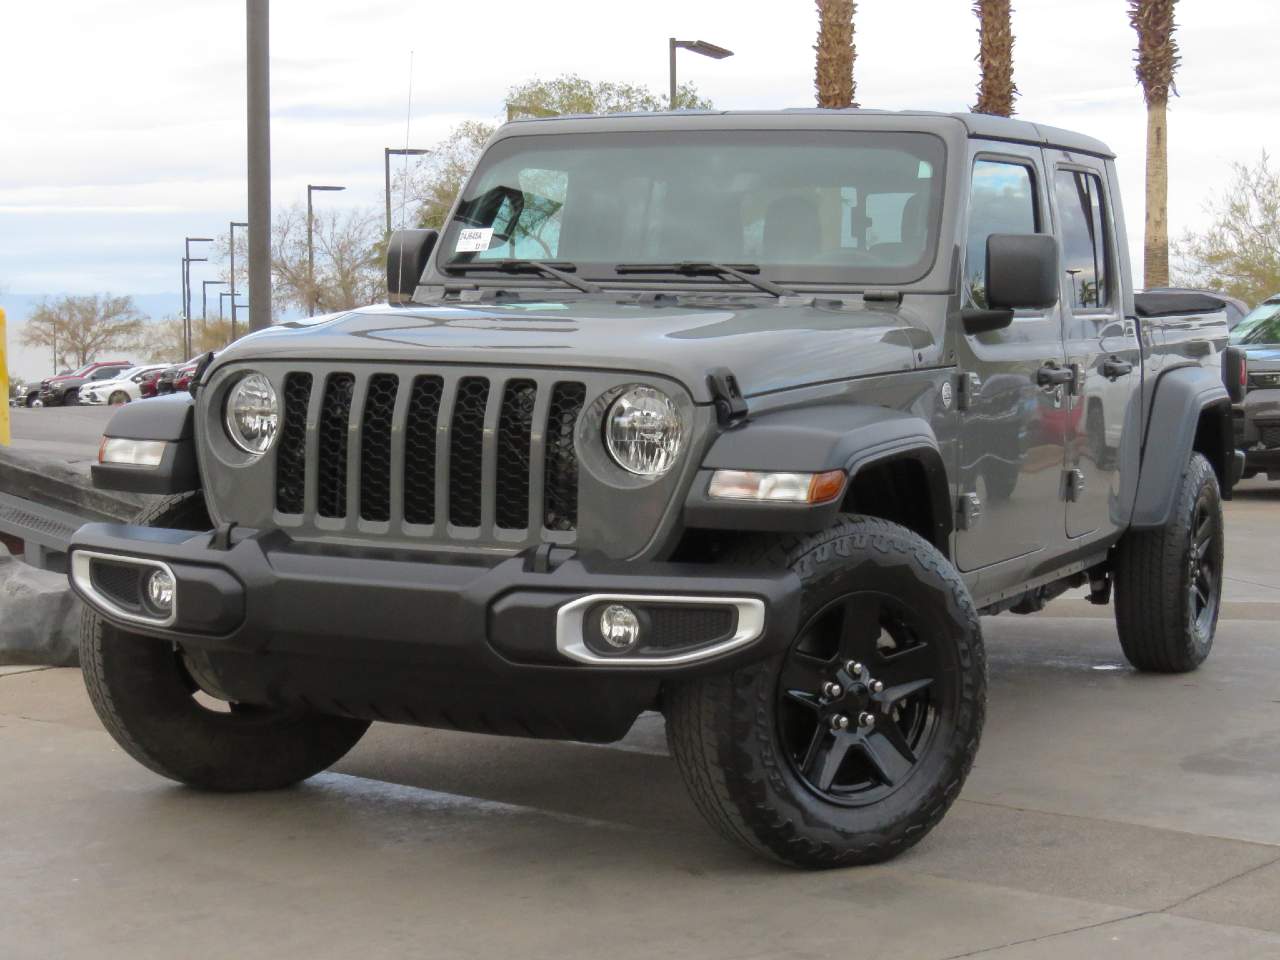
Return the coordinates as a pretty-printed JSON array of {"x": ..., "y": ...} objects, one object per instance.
[
  {"x": 387, "y": 154},
  {"x": 697, "y": 46},
  {"x": 311, "y": 252}
]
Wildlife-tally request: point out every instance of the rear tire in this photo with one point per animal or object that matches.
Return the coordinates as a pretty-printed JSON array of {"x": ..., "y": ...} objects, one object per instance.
[
  {"x": 149, "y": 703},
  {"x": 118, "y": 398},
  {"x": 1168, "y": 581},
  {"x": 761, "y": 750}
]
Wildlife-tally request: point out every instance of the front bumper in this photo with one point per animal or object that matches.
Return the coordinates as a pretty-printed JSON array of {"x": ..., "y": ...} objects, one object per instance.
[
  {"x": 437, "y": 640},
  {"x": 1257, "y": 429}
]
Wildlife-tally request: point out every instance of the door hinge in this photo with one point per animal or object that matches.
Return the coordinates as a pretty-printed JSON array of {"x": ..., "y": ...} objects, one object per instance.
[
  {"x": 1073, "y": 485},
  {"x": 968, "y": 387},
  {"x": 969, "y": 511}
]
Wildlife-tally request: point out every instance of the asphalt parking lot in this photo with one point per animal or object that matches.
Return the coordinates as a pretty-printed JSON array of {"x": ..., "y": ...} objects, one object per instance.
[{"x": 1110, "y": 814}]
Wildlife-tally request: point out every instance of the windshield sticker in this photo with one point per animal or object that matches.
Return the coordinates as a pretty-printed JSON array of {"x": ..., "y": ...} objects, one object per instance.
[{"x": 474, "y": 241}]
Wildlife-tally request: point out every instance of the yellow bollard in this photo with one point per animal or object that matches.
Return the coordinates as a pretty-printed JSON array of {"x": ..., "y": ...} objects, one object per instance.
[{"x": 4, "y": 386}]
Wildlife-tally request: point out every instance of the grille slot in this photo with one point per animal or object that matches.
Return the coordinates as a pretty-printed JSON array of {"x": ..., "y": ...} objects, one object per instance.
[
  {"x": 515, "y": 430},
  {"x": 466, "y": 451},
  {"x": 291, "y": 461},
  {"x": 560, "y": 480},
  {"x": 335, "y": 417},
  {"x": 420, "y": 450},
  {"x": 375, "y": 447}
]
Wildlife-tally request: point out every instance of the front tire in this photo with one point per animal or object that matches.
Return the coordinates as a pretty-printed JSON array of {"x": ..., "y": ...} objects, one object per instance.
[
  {"x": 143, "y": 691},
  {"x": 851, "y": 745},
  {"x": 118, "y": 398},
  {"x": 1168, "y": 581}
]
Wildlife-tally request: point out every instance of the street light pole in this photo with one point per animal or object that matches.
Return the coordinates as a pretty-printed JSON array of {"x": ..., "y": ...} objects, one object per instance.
[
  {"x": 204, "y": 304},
  {"x": 258, "y": 90},
  {"x": 697, "y": 46},
  {"x": 234, "y": 223},
  {"x": 186, "y": 287},
  {"x": 387, "y": 153},
  {"x": 311, "y": 252}
]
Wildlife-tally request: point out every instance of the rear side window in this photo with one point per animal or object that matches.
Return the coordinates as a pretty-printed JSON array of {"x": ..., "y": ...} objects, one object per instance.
[
  {"x": 1002, "y": 200},
  {"x": 1085, "y": 249}
]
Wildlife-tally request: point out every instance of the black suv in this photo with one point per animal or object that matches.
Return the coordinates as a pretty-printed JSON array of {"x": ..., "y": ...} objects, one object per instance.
[
  {"x": 741, "y": 417},
  {"x": 1257, "y": 417}
]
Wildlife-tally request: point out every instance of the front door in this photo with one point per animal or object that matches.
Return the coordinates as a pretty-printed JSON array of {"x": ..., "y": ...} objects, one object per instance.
[
  {"x": 1012, "y": 428},
  {"x": 1101, "y": 345}
]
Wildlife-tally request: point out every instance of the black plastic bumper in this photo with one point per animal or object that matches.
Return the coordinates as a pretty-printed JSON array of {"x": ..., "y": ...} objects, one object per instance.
[{"x": 436, "y": 641}]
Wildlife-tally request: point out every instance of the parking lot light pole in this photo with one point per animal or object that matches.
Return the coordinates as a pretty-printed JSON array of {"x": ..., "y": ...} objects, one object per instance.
[
  {"x": 311, "y": 253},
  {"x": 204, "y": 303},
  {"x": 697, "y": 46},
  {"x": 186, "y": 287},
  {"x": 244, "y": 224},
  {"x": 387, "y": 154}
]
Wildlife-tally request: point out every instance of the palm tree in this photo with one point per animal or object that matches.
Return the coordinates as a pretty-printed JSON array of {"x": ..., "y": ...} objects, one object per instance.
[
  {"x": 1156, "y": 62},
  {"x": 996, "y": 88},
  {"x": 834, "y": 73}
]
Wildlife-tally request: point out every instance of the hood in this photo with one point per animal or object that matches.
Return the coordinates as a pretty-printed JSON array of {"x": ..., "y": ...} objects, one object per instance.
[{"x": 768, "y": 346}]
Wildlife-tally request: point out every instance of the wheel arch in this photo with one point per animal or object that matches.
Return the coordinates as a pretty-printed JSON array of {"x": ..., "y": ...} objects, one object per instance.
[{"x": 895, "y": 471}]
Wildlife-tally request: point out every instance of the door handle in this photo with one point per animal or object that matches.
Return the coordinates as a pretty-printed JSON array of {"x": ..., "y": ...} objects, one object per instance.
[
  {"x": 1113, "y": 368},
  {"x": 1052, "y": 375}
]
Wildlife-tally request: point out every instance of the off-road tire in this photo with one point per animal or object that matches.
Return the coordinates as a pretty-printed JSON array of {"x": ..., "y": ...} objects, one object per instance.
[
  {"x": 145, "y": 700},
  {"x": 722, "y": 732},
  {"x": 1152, "y": 570}
]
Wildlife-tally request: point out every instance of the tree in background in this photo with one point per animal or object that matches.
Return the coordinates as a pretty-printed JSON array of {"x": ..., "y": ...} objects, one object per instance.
[
  {"x": 833, "y": 75},
  {"x": 431, "y": 186},
  {"x": 81, "y": 328},
  {"x": 164, "y": 341},
  {"x": 1157, "y": 59},
  {"x": 996, "y": 88},
  {"x": 1239, "y": 253}
]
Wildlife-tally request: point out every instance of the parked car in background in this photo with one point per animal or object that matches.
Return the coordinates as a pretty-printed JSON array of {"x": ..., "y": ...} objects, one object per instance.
[
  {"x": 149, "y": 387},
  {"x": 124, "y": 387},
  {"x": 164, "y": 382},
  {"x": 64, "y": 390},
  {"x": 1234, "y": 308},
  {"x": 182, "y": 378},
  {"x": 32, "y": 396},
  {"x": 1257, "y": 418}
]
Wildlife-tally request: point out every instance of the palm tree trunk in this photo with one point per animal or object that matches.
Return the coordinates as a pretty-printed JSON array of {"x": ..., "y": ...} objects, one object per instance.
[
  {"x": 1155, "y": 247},
  {"x": 996, "y": 88},
  {"x": 833, "y": 78}
]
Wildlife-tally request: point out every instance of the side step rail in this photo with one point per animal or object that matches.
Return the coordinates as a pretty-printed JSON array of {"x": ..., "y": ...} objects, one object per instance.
[{"x": 45, "y": 532}]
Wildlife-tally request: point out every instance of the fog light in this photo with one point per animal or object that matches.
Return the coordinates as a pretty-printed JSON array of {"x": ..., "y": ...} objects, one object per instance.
[
  {"x": 160, "y": 591},
  {"x": 619, "y": 627}
]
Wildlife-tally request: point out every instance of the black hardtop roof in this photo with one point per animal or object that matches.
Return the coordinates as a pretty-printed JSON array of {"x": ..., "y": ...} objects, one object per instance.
[{"x": 976, "y": 125}]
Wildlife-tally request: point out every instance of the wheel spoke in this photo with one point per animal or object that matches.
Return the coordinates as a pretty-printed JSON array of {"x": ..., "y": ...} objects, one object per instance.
[
  {"x": 1204, "y": 531},
  {"x": 859, "y": 627},
  {"x": 802, "y": 678},
  {"x": 891, "y": 695},
  {"x": 827, "y": 760},
  {"x": 914, "y": 663},
  {"x": 888, "y": 752}
]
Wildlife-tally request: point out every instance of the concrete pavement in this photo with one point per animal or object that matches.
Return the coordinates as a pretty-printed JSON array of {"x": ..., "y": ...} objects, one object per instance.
[
  {"x": 1109, "y": 815},
  {"x": 66, "y": 433}
]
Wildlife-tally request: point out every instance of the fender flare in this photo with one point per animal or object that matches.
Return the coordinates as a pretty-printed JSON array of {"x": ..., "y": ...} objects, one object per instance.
[
  {"x": 844, "y": 437},
  {"x": 1180, "y": 397},
  {"x": 170, "y": 418}
]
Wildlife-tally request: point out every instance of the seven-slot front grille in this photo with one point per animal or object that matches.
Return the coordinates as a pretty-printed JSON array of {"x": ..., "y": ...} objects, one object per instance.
[{"x": 456, "y": 453}]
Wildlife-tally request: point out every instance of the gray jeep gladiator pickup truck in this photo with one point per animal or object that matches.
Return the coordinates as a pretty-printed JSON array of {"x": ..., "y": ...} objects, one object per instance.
[{"x": 743, "y": 417}]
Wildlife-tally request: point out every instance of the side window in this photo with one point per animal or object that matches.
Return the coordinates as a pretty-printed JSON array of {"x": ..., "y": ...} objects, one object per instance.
[
  {"x": 1002, "y": 200},
  {"x": 1085, "y": 247}
]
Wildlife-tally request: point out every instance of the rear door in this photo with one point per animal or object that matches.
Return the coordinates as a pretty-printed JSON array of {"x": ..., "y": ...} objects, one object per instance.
[
  {"x": 1101, "y": 346},
  {"x": 1012, "y": 429}
]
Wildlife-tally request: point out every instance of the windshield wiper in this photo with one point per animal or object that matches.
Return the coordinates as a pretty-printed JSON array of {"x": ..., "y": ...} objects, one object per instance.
[
  {"x": 557, "y": 271},
  {"x": 694, "y": 268}
]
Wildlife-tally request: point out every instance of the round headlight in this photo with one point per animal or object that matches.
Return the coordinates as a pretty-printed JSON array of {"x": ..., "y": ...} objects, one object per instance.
[
  {"x": 643, "y": 432},
  {"x": 253, "y": 414}
]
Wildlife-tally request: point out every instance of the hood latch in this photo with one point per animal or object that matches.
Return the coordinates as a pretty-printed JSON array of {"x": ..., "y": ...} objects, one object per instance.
[{"x": 731, "y": 405}]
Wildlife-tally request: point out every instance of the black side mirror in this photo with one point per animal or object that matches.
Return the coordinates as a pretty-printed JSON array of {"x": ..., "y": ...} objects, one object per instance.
[
  {"x": 407, "y": 255},
  {"x": 1235, "y": 373},
  {"x": 1022, "y": 274}
]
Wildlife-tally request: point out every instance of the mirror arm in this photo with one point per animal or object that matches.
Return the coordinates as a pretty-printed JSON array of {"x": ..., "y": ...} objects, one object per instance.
[{"x": 976, "y": 320}]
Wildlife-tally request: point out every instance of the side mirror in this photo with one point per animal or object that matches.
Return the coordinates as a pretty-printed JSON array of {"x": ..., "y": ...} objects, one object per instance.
[
  {"x": 1235, "y": 373},
  {"x": 1022, "y": 274},
  {"x": 407, "y": 255}
]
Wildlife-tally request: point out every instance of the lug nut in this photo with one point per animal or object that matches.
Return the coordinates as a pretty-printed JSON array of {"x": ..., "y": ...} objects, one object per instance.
[
  {"x": 854, "y": 667},
  {"x": 839, "y": 722},
  {"x": 877, "y": 686},
  {"x": 866, "y": 720},
  {"x": 832, "y": 690}
]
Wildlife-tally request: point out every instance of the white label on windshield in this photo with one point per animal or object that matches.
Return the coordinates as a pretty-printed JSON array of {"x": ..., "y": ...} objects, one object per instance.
[{"x": 474, "y": 240}]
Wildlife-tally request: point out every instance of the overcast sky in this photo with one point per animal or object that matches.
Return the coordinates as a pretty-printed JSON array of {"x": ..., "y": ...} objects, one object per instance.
[{"x": 122, "y": 121}]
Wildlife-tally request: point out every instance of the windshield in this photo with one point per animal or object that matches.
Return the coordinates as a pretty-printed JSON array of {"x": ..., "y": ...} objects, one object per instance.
[
  {"x": 1260, "y": 326},
  {"x": 821, "y": 206}
]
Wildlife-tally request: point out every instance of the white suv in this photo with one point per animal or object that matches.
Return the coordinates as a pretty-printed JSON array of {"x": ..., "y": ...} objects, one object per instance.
[{"x": 120, "y": 389}]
